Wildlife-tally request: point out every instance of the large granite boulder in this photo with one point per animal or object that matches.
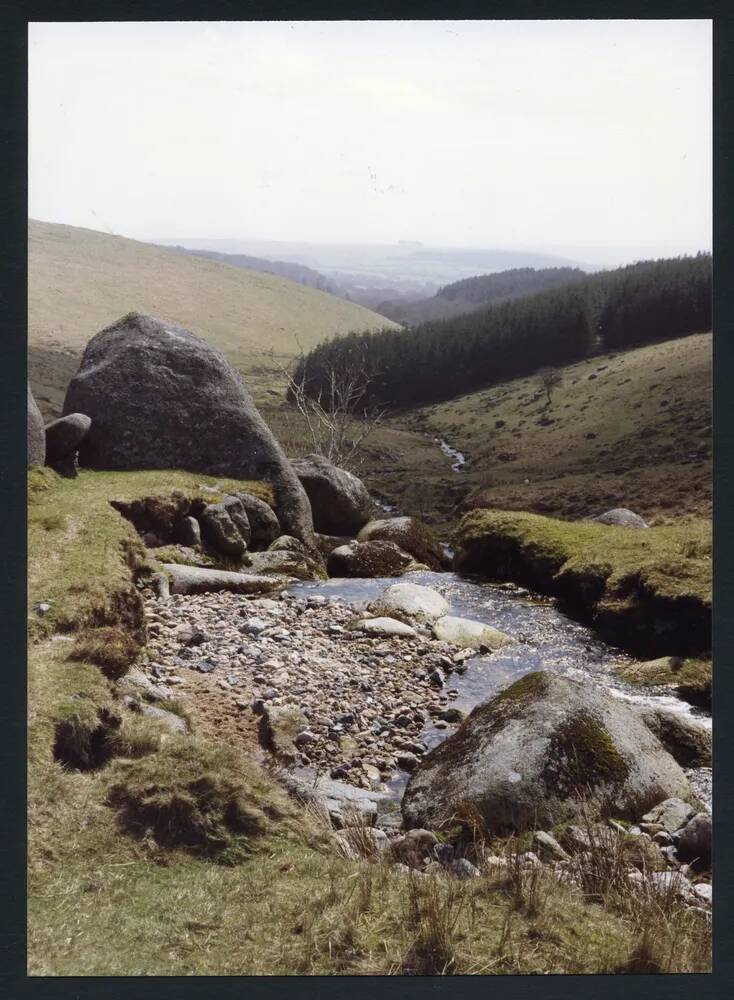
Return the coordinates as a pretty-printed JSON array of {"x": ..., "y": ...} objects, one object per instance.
[
  {"x": 530, "y": 756},
  {"x": 161, "y": 398},
  {"x": 340, "y": 502},
  {"x": 409, "y": 534},
  {"x": 63, "y": 436},
  {"x": 621, "y": 518},
  {"x": 36, "y": 434}
]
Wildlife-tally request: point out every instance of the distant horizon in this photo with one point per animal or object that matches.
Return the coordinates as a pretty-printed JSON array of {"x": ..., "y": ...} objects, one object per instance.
[{"x": 578, "y": 255}]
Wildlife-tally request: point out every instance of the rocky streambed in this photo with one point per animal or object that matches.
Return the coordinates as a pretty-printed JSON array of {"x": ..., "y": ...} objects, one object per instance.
[{"x": 364, "y": 708}]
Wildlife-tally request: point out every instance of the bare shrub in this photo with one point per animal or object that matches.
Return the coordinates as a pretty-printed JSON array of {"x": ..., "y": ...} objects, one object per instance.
[
  {"x": 337, "y": 421},
  {"x": 550, "y": 380}
]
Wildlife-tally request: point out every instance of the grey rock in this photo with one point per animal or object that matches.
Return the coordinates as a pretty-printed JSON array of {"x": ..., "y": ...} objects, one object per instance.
[
  {"x": 469, "y": 634},
  {"x": 672, "y": 814},
  {"x": 694, "y": 842},
  {"x": 525, "y": 757},
  {"x": 327, "y": 543},
  {"x": 161, "y": 398},
  {"x": 410, "y": 602},
  {"x": 547, "y": 846},
  {"x": 368, "y": 559},
  {"x": 407, "y": 761},
  {"x": 340, "y": 502},
  {"x": 63, "y": 436},
  {"x": 338, "y": 797},
  {"x": 621, "y": 517},
  {"x": 287, "y": 543},
  {"x": 704, "y": 892},
  {"x": 220, "y": 530},
  {"x": 188, "y": 531},
  {"x": 575, "y": 839},
  {"x": 285, "y": 562},
  {"x": 452, "y": 715},
  {"x": 463, "y": 868},
  {"x": 688, "y": 740},
  {"x": 386, "y": 627},
  {"x": 172, "y": 721},
  {"x": 238, "y": 515},
  {"x": 136, "y": 683},
  {"x": 195, "y": 580},
  {"x": 36, "y": 434},
  {"x": 673, "y": 883},
  {"x": 410, "y": 535},
  {"x": 264, "y": 524}
]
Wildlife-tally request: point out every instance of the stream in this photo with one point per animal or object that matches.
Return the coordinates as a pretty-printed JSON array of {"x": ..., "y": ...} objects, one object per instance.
[
  {"x": 458, "y": 458},
  {"x": 546, "y": 640}
]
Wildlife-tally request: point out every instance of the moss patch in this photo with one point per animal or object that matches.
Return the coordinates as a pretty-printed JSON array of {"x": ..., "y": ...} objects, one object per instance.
[
  {"x": 581, "y": 756},
  {"x": 646, "y": 590},
  {"x": 691, "y": 678}
]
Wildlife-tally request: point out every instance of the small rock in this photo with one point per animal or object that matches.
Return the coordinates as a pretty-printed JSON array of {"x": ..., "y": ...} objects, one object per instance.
[
  {"x": 671, "y": 814},
  {"x": 548, "y": 846},
  {"x": 464, "y": 869}
]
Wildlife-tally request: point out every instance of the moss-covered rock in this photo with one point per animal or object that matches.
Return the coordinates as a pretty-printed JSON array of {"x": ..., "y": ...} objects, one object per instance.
[{"x": 530, "y": 756}]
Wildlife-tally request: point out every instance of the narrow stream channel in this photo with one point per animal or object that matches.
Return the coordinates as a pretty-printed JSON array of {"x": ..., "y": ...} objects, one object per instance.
[
  {"x": 545, "y": 638},
  {"x": 458, "y": 458}
]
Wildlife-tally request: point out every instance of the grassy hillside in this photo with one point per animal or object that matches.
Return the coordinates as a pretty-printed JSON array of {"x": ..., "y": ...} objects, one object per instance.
[
  {"x": 630, "y": 429},
  {"x": 80, "y": 281}
]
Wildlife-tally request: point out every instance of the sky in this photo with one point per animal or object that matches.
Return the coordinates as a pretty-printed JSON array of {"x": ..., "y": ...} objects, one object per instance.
[{"x": 509, "y": 134}]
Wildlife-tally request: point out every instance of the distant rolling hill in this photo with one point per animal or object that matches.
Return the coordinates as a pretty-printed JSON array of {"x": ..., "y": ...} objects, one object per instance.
[
  {"x": 475, "y": 293},
  {"x": 284, "y": 269},
  {"x": 80, "y": 281}
]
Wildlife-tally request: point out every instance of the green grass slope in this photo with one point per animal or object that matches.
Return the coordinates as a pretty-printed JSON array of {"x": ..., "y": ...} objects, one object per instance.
[
  {"x": 631, "y": 429},
  {"x": 80, "y": 281}
]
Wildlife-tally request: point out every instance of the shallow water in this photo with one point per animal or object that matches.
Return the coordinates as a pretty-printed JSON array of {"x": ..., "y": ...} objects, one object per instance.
[
  {"x": 546, "y": 639},
  {"x": 459, "y": 458}
]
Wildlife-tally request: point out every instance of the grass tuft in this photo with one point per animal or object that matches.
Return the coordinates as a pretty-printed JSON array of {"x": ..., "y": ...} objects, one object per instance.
[
  {"x": 206, "y": 799},
  {"x": 111, "y": 648}
]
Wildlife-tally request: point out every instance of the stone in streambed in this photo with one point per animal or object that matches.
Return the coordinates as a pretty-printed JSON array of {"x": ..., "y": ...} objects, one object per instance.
[
  {"x": 410, "y": 602},
  {"x": 386, "y": 627},
  {"x": 469, "y": 634}
]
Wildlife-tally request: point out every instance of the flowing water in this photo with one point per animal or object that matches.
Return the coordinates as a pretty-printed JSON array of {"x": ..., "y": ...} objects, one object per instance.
[
  {"x": 546, "y": 639},
  {"x": 458, "y": 458}
]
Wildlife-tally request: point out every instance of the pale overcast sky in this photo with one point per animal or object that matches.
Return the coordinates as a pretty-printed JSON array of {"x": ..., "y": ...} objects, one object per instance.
[{"x": 458, "y": 133}]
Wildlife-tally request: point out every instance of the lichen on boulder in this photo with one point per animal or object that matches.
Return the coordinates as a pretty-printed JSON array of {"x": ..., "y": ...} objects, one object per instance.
[{"x": 538, "y": 751}]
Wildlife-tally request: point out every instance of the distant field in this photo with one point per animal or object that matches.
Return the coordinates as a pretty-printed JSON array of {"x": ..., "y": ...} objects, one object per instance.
[{"x": 80, "y": 281}]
